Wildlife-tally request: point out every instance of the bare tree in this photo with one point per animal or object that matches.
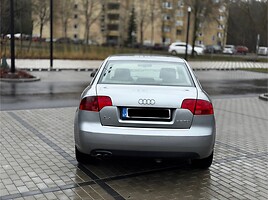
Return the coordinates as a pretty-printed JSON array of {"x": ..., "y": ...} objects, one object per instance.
[
  {"x": 41, "y": 14},
  {"x": 65, "y": 14},
  {"x": 143, "y": 18},
  {"x": 202, "y": 11},
  {"x": 154, "y": 15},
  {"x": 91, "y": 10},
  {"x": 246, "y": 20}
]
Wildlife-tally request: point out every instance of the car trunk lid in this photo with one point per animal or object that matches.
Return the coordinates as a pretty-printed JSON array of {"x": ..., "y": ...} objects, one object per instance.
[{"x": 146, "y": 106}]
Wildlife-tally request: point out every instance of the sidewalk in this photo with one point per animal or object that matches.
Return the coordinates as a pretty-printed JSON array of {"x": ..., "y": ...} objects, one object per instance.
[{"x": 89, "y": 65}]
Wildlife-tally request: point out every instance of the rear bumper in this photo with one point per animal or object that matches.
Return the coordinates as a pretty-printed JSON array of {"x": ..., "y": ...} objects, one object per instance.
[{"x": 198, "y": 141}]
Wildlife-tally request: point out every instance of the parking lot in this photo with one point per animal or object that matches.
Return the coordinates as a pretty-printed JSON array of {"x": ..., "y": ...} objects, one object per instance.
[{"x": 38, "y": 162}]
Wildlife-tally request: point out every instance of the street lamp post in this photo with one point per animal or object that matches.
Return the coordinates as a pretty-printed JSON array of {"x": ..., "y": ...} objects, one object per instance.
[
  {"x": 132, "y": 38},
  {"x": 51, "y": 34},
  {"x": 187, "y": 34},
  {"x": 12, "y": 41}
]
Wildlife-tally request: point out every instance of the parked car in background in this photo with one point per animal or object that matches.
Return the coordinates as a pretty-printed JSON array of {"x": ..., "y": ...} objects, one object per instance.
[
  {"x": 123, "y": 112},
  {"x": 159, "y": 46},
  {"x": 241, "y": 50},
  {"x": 213, "y": 49},
  {"x": 65, "y": 40},
  {"x": 229, "y": 49},
  {"x": 48, "y": 40},
  {"x": 180, "y": 48},
  {"x": 36, "y": 38},
  {"x": 263, "y": 51},
  {"x": 18, "y": 36},
  {"x": 90, "y": 42},
  {"x": 200, "y": 48}
]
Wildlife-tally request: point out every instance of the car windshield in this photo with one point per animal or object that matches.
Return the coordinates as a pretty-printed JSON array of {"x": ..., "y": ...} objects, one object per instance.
[{"x": 146, "y": 73}]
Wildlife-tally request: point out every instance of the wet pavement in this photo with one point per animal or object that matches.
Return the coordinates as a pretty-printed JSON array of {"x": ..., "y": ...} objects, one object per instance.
[
  {"x": 56, "y": 89},
  {"x": 223, "y": 84},
  {"x": 63, "y": 89}
]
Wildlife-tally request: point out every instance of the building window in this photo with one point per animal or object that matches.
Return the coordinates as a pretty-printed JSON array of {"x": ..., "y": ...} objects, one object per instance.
[
  {"x": 75, "y": 26},
  {"x": 102, "y": 18},
  {"x": 167, "y": 40},
  {"x": 167, "y": 17},
  {"x": 167, "y": 29},
  {"x": 178, "y": 32},
  {"x": 179, "y": 23},
  {"x": 200, "y": 42},
  {"x": 180, "y": 3},
  {"x": 221, "y": 26},
  {"x": 75, "y": 36},
  {"x": 75, "y": 6},
  {"x": 113, "y": 27},
  {"x": 102, "y": 28},
  {"x": 180, "y": 13},
  {"x": 221, "y": 18},
  {"x": 75, "y": 16},
  {"x": 167, "y": 5},
  {"x": 222, "y": 9},
  {"x": 200, "y": 34},
  {"x": 113, "y": 16},
  {"x": 113, "y": 6},
  {"x": 219, "y": 34}
]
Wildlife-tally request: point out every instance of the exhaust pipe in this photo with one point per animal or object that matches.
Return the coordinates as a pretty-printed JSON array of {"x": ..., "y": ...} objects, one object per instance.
[
  {"x": 98, "y": 156},
  {"x": 102, "y": 154}
]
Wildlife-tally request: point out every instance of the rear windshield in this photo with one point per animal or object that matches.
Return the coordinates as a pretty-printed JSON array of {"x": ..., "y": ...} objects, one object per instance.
[{"x": 146, "y": 73}]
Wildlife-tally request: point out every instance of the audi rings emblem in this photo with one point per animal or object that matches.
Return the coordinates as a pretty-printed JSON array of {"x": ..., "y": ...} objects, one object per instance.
[{"x": 146, "y": 101}]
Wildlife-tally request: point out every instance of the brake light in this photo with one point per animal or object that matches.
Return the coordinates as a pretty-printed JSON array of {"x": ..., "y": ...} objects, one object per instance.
[
  {"x": 95, "y": 103},
  {"x": 189, "y": 104},
  {"x": 203, "y": 107},
  {"x": 198, "y": 106}
]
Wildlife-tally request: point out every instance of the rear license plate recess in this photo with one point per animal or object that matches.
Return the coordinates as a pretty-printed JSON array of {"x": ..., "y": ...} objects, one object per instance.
[{"x": 146, "y": 113}]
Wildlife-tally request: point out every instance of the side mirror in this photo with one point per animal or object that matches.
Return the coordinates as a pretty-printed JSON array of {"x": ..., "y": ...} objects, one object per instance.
[{"x": 93, "y": 73}]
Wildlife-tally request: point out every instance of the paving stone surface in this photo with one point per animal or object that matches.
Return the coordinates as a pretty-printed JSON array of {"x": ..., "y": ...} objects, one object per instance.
[{"x": 38, "y": 162}]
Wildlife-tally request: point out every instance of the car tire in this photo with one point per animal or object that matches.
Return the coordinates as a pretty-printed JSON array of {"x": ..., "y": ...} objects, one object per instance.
[
  {"x": 204, "y": 163},
  {"x": 174, "y": 52},
  {"x": 195, "y": 53},
  {"x": 84, "y": 158}
]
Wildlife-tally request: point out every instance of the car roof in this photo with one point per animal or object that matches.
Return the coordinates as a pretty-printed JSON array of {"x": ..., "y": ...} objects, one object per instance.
[
  {"x": 179, "y": 43},
  {"x": 146, "y": 57}
]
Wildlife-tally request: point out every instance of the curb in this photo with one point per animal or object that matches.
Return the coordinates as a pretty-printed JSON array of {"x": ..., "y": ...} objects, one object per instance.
[
  {"x": 264, "y": 96},
  {"x": 94, "y": 69},
  {"x": 20, "y": 80},
  {"x": 56, "y": 69}
]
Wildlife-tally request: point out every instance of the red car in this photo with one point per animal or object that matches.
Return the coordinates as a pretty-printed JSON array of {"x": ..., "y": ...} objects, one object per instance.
[{"x": 241, "y": 50}]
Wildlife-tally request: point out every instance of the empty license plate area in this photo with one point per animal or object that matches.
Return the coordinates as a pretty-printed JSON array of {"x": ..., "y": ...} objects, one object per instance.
[{"x": 154, "y": 114}]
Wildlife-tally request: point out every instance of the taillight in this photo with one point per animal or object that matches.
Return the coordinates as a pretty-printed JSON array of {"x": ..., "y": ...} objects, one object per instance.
[
  {"x": 189, "y": 104},
  {"x": 198, "y": 106},
  {"x": 203, "y": 107},
  {"x": 95, "y": 103}
]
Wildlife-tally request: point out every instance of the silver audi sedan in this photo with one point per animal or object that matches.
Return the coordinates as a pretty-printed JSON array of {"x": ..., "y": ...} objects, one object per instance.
[{"x": 143, "y": 105}]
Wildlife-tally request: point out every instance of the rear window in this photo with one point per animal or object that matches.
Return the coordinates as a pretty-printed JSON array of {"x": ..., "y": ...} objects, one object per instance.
[{"x": 146, "y": 73}]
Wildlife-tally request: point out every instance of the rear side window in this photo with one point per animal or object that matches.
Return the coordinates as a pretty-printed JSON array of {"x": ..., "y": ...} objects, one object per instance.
[{"x": 146, "y": 73}]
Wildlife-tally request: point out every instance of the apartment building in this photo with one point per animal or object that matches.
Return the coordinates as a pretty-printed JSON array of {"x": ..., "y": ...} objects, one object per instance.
[
  {"x": 158, "y": 21},
  {"x": 175, "y": 18},
  {"x": 114, "y": 21}
]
